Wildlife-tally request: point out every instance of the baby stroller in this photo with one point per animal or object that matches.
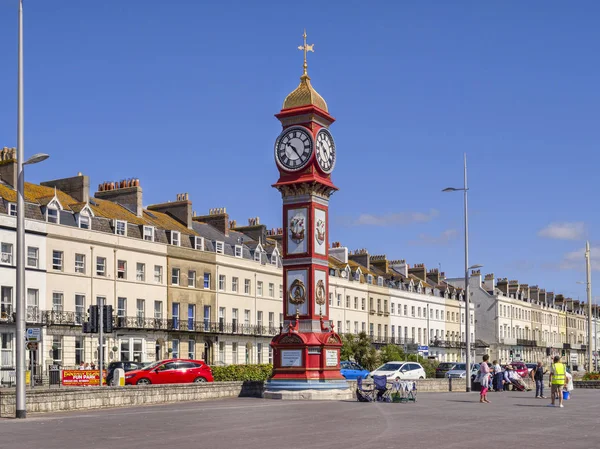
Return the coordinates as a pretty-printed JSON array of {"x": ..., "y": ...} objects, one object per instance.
[
  {"x": 363, "y": 395},
  {"x": 383, "y": 392}
]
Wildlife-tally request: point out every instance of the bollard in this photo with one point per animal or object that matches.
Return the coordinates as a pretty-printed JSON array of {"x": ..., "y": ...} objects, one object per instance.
[{"x": 449, "y": 384}]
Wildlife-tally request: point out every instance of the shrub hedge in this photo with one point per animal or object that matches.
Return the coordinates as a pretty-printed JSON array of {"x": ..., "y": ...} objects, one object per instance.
[
  {"x": 241, "y": 372},
  {"x": 591, "y": 376}
]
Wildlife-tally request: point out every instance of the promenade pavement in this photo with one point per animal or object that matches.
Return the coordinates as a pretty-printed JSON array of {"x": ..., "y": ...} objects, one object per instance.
[{"x": 437, "y": 420}]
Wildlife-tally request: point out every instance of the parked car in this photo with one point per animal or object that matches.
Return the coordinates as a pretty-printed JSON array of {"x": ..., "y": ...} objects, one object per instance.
[
  {"x": 173, "y": 371},
  {"x": 460, "y": 371},
  {"x": 443, "y": 368},
  {"x": 520, "y": 368},
  {"x": 403, "y": 370},
  {"x": 352, "y": 370},
  {"x": 125, "y": 366}
]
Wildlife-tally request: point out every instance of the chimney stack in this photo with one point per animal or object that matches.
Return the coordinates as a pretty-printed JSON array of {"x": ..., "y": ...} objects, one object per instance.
[
  {"x": 502, "y": 285},
  {"x": 360, "y": 256},
  {"x": 180, "y": 209},
  {"x": 77, "y": 186},
  {"x": 8, "y": 166},
  {"x": 217, "y": 218},
  {"x": 434, "y": 276},
  {"x": 339, "y": 252},
  {"x": 380, "y": 262},
  {"x": 256, "y": 231},
  {"x": 400, "y": 266},
  {"x": 489, "y": 283},
  {"x": 126, "y": 192},
  {"x": 419, "y": 271}
]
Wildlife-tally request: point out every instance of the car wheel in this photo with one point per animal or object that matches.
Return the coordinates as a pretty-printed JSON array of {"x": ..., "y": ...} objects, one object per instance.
[
  {"x": 199, "y": 380},
  {"x": 143, "y": 382},
  {"x": 421, "y": 378}
]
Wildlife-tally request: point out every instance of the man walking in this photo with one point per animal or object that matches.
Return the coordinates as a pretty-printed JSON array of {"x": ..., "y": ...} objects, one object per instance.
[
  {"x": 537, "y": 375},
  {"x": 558, "y": 380}
]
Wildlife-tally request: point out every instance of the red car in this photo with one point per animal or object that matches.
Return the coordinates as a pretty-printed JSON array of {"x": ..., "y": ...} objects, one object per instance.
[
  {"x": 521, "y": 369},
  {"x": 174, "y": 371}
]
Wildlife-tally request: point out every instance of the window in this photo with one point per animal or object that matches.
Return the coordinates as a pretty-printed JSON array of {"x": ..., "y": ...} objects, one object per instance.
[
  {"x": 219, "y": 247},
  {"x": 222, "y": 282},
  {"x": 12, "y": 209},
  {"x": 175, "y": 276},
  {"x": 149, "y": 233},
  {"x": 121, "y": 269},
  {"x": 101, "y": 266},
  {"x": 191, "y": 278},
  {"x": 412, "y": 310},
  {"x": 259, "y": 319},
  {"x": 140, "y": 309},
  {"x": 392, "y": 307},
  {"x": 158, "y": 313},
  {"x": 7, "y": 253},
  {"x": 191, "y": 316},
  {"x": 339, "y": 300},
  {"x": 52, "y": 215},
  {"x": 330, "y": 298},
  {"x": 57, "y": 301},
  {"x": 347, "y": 301},
  {"x": 206, "y": 318},
  {"x": 191, "y": 349},
  {"x": 271, "y": 290},
  {"x": 234, "y": 284},
  {"x": 122, "y": 307},
  {"x": 158, "y": 270},
  {"x": 362, "y": 303},
  {"x": 356, "y": 303},
  {"x": 271, "y": 321},
  {"x": 56, "y": 349},
  {"x": 175, "y": 238},
  {"x": 84, "y": 221},
  {"x": 222, "y": 351},
  {"x": 419, "y": 312},
  {"x": 234, "y": 353},
  {"x": 80, "y": 263},
  {"x": 175, "y": 349},
  {"x": 32, "y": 257},
  {"x": 356, "y": 327},
  {"x": 79, "y": 308},
  {"x": 234, "y": 319},
  {"x": 6, "y": 301},
  {"x": 257, "y": 255},
  {"x": 246, "y": 318},
  {"x": 238, "y": 251},
  {"x": 259, "y": 288},
  {"x": 206, "y": 280},
  {"x": 406, "y": 310},
  {"x": 33, "y": 295},
  {"x": 140, "y": 272},
  {"x": 270, "y": 354},
  {"x": 280, "y": 291},
  {"x": 120, "y": 227},
  {"x": 247, "y": 286},
  {"x": 199, "y": 243},
  {"x": 221, "y": 318},
  {"x": 175, "y": 314},
  {"x": 274, "y": 257},
  {"x": 79, "y": 351},
  {"x": 259, "y": 349}
]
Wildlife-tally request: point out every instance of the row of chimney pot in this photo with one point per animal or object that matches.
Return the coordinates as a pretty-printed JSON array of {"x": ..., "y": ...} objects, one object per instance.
[{"x": 132, "y": 182}]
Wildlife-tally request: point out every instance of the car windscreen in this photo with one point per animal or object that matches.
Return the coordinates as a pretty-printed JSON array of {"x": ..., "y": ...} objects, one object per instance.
[
  {"x": 390, "y": 367},
  {"x": 152, "y": 365},
  {"x": 460, "y": 366},
  {"x": 446, "y": 365}
]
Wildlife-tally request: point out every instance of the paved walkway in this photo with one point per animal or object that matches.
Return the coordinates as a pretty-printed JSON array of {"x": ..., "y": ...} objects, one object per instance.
[{"x": 437, "y": 420}]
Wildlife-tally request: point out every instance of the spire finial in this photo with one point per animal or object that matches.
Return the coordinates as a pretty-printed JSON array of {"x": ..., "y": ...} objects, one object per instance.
[{"x": 306, "y": 48}]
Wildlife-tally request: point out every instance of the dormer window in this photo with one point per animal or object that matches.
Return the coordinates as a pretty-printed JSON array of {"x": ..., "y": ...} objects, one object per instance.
[
  {"x": 52, "y": 215},
  {"x": 199, "y": 243},
  {"x": 347, "y": 270},
  {"x": 175, "y": 238},
  {"x": 149, "y": 233},
  {"x": 12, "y": 209},
  {"x": 219, "y": 247},
  {"x": 357, "y": 275},
  {"x": 369, "y": 279},
  {"x": 121, "y": 227},
  {"x": 274, "y": 257},
  {"x": 84, "y": 221},
  {"x": 380, "y": 281},
  {"x": 257, "y": 255},
  {"x": 238, "y": 251}
]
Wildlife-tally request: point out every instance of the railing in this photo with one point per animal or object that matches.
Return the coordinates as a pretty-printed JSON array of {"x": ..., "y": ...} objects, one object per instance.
[{"x": 523, "y": 342}]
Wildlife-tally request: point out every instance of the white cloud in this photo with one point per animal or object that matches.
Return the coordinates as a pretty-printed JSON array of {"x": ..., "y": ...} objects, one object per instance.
[
  {"x": 398, "y": 219},
  {"x": 443, "y": 239},
  {"x": 564, "y": 231}
]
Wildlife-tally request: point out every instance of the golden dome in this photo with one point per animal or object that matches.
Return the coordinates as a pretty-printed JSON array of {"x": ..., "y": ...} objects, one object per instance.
[{"x": 304, "y": 95}]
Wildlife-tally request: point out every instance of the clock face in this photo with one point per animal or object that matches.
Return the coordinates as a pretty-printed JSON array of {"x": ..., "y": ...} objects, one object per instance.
[
  {"x": 325, "y": 150},
  {"x": 293, "y": 148}
]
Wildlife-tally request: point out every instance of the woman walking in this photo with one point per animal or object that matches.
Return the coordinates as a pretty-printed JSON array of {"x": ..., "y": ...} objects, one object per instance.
[{"x": 485, "y": 379}]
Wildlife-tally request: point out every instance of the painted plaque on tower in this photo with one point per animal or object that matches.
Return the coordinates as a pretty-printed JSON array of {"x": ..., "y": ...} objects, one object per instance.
[
  {"x": 297, "y": 232},
  {"x": 320, "y": 232}
]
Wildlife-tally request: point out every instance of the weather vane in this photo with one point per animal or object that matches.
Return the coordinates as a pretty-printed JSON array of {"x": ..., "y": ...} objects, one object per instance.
[{"x": 306, "y": 48}]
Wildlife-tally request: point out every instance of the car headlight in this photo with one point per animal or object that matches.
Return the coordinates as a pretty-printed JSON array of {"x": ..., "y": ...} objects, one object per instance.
[
  {"x": 463, "y": 375},
  {"x": 129, "y": 376}
]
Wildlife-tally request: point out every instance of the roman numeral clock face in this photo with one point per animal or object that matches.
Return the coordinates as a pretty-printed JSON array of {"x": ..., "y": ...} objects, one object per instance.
[
  {"x": 293, "y": 148},
  {"x": 325, "y": 151}
]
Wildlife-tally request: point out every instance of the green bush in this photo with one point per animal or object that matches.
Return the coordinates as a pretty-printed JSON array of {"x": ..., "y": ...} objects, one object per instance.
[
  {"x": 591, "y": 376},
  {"x": 241, "y": 372}
]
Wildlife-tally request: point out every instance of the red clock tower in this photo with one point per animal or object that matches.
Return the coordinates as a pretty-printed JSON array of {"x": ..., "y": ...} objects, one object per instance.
[{"x": 306, "y": 354}]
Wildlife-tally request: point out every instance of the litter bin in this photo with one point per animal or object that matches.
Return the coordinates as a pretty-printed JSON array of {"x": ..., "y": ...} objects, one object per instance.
[{"x": 53, "y": 375}]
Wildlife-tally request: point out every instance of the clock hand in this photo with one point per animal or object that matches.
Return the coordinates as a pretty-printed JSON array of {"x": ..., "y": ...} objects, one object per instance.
[{"x": 293, "y": 148}]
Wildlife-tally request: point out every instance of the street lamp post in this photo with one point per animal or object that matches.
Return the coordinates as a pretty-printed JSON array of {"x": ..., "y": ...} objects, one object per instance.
[{"x": 465, "y": 190}]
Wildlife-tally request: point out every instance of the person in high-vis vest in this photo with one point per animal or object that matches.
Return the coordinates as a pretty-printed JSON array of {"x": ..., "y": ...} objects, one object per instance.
[{"x": 558, "y": 380}]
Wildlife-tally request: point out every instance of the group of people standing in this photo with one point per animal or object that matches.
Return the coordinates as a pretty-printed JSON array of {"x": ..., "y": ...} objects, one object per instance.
[{"x": 494, "y": 378}]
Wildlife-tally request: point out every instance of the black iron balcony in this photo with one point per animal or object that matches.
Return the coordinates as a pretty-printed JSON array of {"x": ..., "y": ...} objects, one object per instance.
[
  {"x": 566, "y": 345},
  {"x": 523, "y": 342}
]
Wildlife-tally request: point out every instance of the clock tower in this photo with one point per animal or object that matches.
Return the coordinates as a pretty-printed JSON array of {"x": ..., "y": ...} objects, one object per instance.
[{"x": 306, "y": 353}]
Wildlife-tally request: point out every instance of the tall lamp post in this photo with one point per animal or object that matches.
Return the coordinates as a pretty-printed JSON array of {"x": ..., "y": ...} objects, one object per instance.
[
  {"x": 465, "y": 190},
  {"x": 588, "y": 287},
  {"x": 21, "y": 411}
]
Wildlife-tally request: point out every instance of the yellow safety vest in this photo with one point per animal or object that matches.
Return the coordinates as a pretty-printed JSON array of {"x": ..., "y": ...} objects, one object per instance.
[{"x": 558, "y": 376}]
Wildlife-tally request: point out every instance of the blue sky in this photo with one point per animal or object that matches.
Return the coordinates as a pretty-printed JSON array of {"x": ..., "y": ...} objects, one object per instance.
[{"x": 181, "y": 94}]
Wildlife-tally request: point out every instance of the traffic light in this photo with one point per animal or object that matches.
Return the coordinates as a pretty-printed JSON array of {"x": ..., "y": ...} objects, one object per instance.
[
  {"x": 563, "y": 352},
  {"x": 107, "y": 319},
  {"x": 93, "y": 319},
  {"x": 511, "y": 353}
]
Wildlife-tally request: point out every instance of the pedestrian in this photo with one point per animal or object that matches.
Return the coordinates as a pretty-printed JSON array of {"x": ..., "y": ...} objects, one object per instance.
[
  {"x": 558, "y": 380},
  {"x": 86, "y": 366},
  {"x": 81, "y": 365},
  {"x": 498, "y": 375},
  {"x": 484, "y": 379},
  {"x": 93, "y": 366},
  {"x": 537, "y": 375}
]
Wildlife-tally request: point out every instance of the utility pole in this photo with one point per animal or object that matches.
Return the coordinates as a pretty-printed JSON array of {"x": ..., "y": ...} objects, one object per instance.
[
  {"x": 100, "y": 336},
  {"x": 588, "y": 264}
]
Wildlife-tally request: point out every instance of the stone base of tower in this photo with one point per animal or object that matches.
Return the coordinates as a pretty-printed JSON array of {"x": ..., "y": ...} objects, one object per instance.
[{"x": 340, "y": 392}]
